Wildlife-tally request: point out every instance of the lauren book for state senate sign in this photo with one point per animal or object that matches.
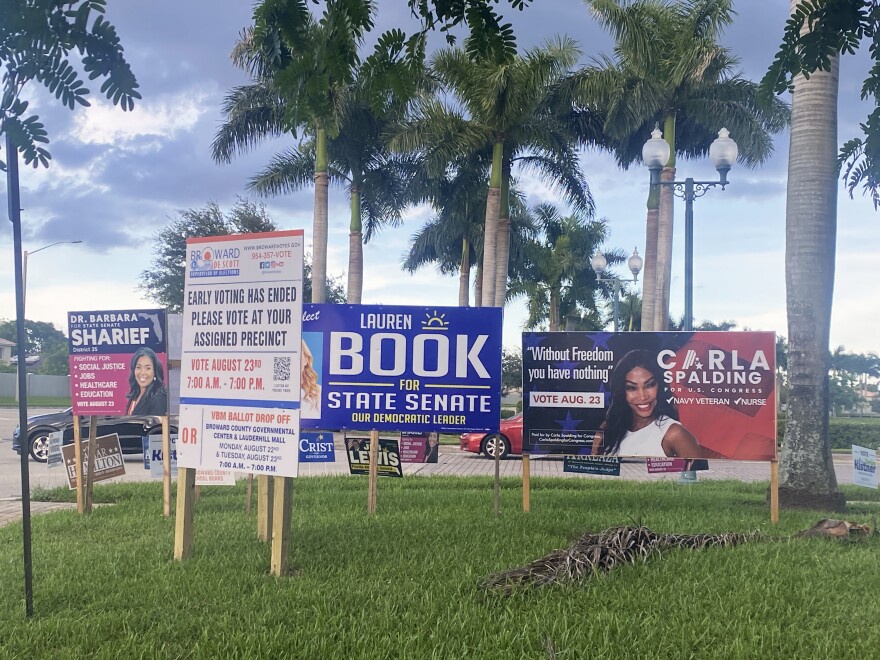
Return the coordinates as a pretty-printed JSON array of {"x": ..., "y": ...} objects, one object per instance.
[
  {"x": 620, "y": 393},
  {"x": 240, "y": 367}
]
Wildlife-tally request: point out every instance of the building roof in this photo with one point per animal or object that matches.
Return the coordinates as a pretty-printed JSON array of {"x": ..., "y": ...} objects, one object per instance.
[{"x": 6, "y": 342}]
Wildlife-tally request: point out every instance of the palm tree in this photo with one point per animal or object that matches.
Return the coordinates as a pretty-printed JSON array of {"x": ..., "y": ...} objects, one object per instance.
[
  {"x": 806, "y": 472},
  {"x": 298, "y": 66},
  {"x": 556, "y": 276},
  {"x": 378, "y": 181},
  {"x": 453, "y": 238},
  {"x": 668, "y": 69},
  {"x": 511, "y": 110}
]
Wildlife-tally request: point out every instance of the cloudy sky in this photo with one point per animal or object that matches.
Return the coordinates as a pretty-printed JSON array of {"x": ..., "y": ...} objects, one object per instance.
[{"x": 116, "y": 178}]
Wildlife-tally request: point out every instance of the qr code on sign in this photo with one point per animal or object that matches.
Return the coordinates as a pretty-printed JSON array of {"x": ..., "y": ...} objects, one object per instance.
[{"x": 281, "y": 369}]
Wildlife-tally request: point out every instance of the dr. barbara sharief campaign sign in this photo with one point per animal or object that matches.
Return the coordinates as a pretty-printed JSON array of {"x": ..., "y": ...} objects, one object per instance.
[
  {"x": 118, "y": 362},
  {"x": 401, "y": 368}
]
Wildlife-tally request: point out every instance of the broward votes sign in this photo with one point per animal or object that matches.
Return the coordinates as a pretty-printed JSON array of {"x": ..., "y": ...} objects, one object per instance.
[
  {"x": 240, "y": 366},
  {"x": 415, "y": 369}
]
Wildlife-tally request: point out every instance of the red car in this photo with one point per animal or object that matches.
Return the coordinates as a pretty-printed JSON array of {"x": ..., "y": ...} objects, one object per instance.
[{"x": 509, "y": 442}]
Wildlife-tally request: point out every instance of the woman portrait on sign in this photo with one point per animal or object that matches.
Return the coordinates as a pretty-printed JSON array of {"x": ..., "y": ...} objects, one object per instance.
[
  {"x": 147, "y": 394},
  {"x": 310, "y": 389},
  {"x": 641, "y": 420}
]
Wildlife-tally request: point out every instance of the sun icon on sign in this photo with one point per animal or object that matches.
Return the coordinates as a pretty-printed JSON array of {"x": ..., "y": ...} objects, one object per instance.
[{"x": 435, "y": 322}]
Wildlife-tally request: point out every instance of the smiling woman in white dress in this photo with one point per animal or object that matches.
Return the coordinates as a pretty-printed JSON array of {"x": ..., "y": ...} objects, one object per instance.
[{"x": 641, "y": 420}]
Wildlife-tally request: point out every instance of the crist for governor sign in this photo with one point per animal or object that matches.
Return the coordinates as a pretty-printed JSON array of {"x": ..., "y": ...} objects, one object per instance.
[
  {"x": 620, "y": 393},
  {"x": 401, "y": 368}
]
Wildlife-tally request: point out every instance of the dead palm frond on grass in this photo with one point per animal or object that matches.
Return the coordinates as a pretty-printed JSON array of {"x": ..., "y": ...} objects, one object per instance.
[{"x": 595, "y": 554}]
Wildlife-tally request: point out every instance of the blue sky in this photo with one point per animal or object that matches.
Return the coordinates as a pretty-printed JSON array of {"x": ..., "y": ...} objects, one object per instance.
[{"x": 116, "y": 178}]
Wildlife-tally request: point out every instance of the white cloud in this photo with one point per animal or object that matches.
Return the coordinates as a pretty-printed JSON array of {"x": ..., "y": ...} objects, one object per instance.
[{"x": 163, "y": 119}]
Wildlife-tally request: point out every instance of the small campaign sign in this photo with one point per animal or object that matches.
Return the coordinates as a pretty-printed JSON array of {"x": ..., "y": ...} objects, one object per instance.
[
  {"x": 607, "y": 465},
  {"x": 215, "y": 478},
  {"x": 108, "y": 459},
  {"x": 421, "y": 448},
  {"x": 54, "y": 457},
  {"x": 316, "y": 447},
  {"x": 358, "y": 452},
  {"x": 154, "y": 456},
  {"x": 864, "y": 466},
  {"x": 658, "y": 465}
]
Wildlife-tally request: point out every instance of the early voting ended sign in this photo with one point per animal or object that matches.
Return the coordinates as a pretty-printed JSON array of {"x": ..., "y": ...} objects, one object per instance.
[
  {"x": 240, "y": 365},
  {"x": 104, "y": 348},
  {"x": 650, "y": 394},
  {"x": 401, "y": 368}
]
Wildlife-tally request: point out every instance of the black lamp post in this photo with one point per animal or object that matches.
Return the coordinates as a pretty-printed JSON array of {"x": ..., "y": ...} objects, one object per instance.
[
  {"x": 600, "y": 263},
  {"x": 722, "y": 152}
]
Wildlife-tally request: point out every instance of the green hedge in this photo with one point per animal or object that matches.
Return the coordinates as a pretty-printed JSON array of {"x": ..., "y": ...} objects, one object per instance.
[{"x": 844, "y": 433}]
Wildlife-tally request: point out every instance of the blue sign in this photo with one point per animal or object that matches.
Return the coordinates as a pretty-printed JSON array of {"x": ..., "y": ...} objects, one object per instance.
[
  {"x": 316, "y": 447},
  {"x": 395, "y": 368},
  {"x": 117, "y": 331}
]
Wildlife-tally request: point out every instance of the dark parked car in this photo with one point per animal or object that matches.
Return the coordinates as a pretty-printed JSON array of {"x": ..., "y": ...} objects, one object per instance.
[
  {"x": 509, "y": 442},
  {"x": 130, "y": 430}
]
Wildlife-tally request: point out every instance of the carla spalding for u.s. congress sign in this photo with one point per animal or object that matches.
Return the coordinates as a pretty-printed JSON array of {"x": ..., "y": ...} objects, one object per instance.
[{"x": 653, "y": 394}]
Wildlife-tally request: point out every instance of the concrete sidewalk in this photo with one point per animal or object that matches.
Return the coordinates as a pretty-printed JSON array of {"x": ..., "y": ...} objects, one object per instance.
[{"x": 454, "y": 462}]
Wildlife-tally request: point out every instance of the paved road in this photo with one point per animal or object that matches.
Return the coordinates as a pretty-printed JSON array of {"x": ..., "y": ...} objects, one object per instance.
[{"x": 452, "y": 462}]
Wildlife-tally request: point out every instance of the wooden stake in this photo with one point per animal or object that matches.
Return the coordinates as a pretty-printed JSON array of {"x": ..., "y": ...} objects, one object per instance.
[
  {"x": 497, "y": 490},
  {"x": 77, "y": 469},
  {"x": 250, "y": 490},
  {"x": 526, "y": 483},
  {"x": 373, "y": 487},
  {"x": 265, "y": 500},
  {"x": 166, "y": 468},
  {"x": 774, "y": 491},
  {"x": 183, "y": 522},
  {"x": 90, "y": 470},
  {"x": 280, "y": 562}
]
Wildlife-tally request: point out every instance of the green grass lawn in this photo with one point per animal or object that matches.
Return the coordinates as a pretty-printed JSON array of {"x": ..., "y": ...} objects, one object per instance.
[
  {"x": 37, "y": 402},
  {"x": 404, "y": 583}
]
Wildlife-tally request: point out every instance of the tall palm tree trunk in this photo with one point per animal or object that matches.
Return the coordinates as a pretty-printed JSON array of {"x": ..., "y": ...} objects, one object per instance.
[
  {"x": 807, "y": 478},
  {"x": 319, "y": 220},
  {"x": 503, "y": 246},
  {"x": 553, "y": 322},
  {"x": 464, "y": 272},
  {"x": 355, "y": 250},
  {"x": 490, "y": 231},
  {"x": 665, "y": 227},
  {"x": 649, "y": 276}
]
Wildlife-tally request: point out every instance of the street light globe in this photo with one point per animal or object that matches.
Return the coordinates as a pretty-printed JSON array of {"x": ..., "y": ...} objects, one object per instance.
[
  {"x": 655, "y": 152},
  {"x": 599, "y": 263},
  {"x": 635, "y": 264},
  {"x": 722, "y": 153}
]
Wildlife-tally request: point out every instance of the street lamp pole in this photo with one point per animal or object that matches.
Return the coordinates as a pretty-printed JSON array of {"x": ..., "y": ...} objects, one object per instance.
[
  {"x": 722, "y": 153},
  {"x": 600, "y": 263},
  {"x": 24, "y": 263}
]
